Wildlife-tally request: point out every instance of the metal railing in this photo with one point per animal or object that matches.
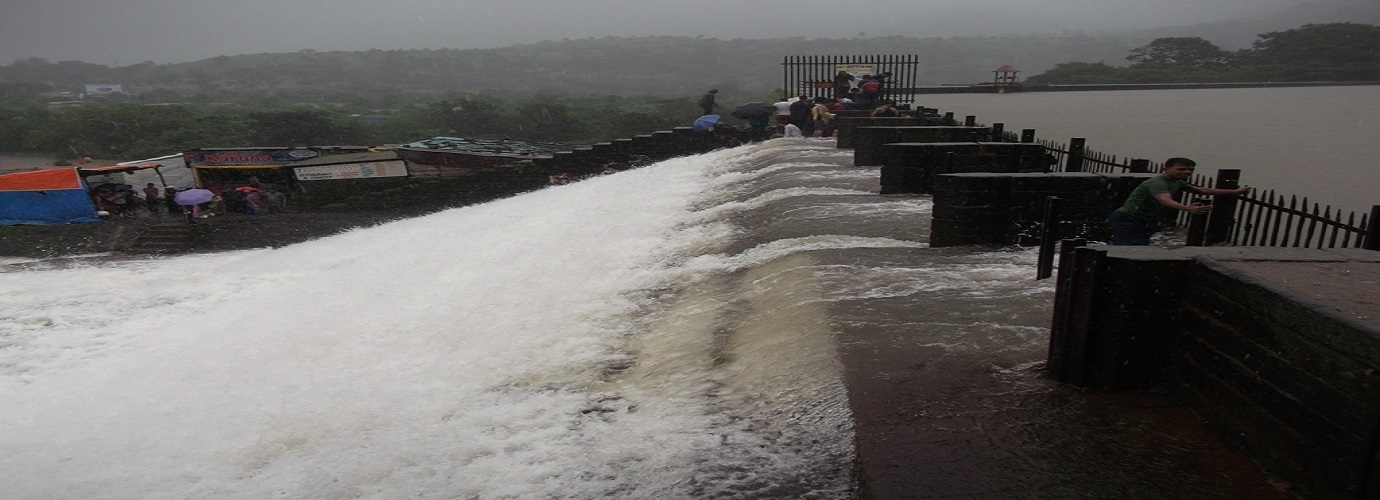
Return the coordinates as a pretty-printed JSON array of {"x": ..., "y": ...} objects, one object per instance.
[
  {"x": 814, "y": 75},
  {"x": 1264, "y": 218}
]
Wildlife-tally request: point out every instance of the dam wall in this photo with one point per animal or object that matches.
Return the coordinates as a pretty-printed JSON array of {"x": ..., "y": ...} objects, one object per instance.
[
  {"x": 442, "y": 180},
  {"x": 1277, "y": 349},
  {"x": 982, "y": 208}
]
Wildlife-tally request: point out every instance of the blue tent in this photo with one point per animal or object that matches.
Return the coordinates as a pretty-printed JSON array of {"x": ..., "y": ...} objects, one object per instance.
[{"x": 53, "y": 196}]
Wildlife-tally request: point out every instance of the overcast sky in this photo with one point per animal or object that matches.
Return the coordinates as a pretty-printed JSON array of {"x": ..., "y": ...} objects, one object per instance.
[{"x": 124, "y": 32}]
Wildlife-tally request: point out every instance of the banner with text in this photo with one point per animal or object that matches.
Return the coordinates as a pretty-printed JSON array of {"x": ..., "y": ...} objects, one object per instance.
[
  {"x": 395, "y": 168},
  {"x": 100, "y": 89}
]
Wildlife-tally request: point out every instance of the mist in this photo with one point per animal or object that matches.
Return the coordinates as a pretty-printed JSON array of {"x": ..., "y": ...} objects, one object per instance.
[{"x": 124, "y": 32}]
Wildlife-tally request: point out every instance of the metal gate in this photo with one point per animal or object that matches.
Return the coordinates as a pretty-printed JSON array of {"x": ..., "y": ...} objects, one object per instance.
[{"x": 814, "y": 75}]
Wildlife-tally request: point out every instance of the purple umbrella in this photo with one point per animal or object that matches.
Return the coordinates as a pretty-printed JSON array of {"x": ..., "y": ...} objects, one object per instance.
[
  {"x": 705, "y": 122},
  {"x": 193, "y": 197}
]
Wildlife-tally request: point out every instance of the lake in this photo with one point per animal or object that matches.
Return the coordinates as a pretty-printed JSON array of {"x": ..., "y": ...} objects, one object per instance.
[{"x": 1315, "y": 142}]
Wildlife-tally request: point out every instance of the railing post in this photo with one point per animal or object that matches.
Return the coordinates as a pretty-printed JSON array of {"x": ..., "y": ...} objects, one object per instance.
[
  {"x": 1221, "y": 221},
  {"x": 1372, "y": 238},
  {"x": 1197, "y": 230},
  {"x": 1068, "y": 359},
  {"x": 997, "y": 130},
  {"x": 1049, "y": 234},
  {"x": 1140, "y": 166},
  {"x": 949, "y": 118},
  {"x": 1027, "y": 135},
  {"x": 1074, "y": 161},
  {"x": 970, "y": 121},
  {"x": 1058, "y": 327}
]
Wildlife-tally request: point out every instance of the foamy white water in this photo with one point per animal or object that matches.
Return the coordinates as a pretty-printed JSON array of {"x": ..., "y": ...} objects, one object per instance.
[{"x": 563, "y": 343}]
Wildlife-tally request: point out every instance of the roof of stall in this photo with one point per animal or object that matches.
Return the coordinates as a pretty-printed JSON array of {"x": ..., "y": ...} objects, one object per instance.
[
  {"x": 488, "y": 146},
  {"x": 347, "y": 158},
  {"x": 108, "y": 169}
]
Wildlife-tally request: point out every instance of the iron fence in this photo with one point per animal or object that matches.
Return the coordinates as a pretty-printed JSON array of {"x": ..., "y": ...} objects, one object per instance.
[
  {"x": 1266, "y": 219},
  {"x": 814, "y": 75}
]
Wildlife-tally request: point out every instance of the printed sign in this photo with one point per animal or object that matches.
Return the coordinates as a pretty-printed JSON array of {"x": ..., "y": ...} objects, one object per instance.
[
  {"x": 98, "y": 89},
  {"x": 247, "y": 156},
  {"x": 856, "y": 70},
  {"x": 394, "y": 168}
]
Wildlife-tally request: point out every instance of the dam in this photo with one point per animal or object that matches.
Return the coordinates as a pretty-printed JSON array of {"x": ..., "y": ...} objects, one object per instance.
[{"x": 755, "y": 322}]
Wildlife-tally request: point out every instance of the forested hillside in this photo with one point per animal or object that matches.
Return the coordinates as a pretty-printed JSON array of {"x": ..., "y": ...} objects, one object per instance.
[
  {"x": 679, "y": 67},
  {"x": 660, "y": 66},
  {"x": 577, "y": 91},
  {"x": 1312, "y": 52}
]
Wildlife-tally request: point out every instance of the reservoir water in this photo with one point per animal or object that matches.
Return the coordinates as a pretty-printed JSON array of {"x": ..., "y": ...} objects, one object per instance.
[
  {"x": 714, "y": 326},
  {"x": 1316, "y": 142}
]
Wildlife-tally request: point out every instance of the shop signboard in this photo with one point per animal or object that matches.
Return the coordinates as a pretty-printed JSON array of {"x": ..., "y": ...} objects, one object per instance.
[
  {"x": 214, "y": 157},
  {"x": 366, "y": 170}
]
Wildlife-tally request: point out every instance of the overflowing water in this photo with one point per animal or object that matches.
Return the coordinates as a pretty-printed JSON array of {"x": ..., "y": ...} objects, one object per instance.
[{"x": 666, "y": 331}]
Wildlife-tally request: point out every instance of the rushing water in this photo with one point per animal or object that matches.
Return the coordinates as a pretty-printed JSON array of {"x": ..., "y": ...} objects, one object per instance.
[
  {"x": 1316, "y": 142},
  {"x": 665, "y": 331}
]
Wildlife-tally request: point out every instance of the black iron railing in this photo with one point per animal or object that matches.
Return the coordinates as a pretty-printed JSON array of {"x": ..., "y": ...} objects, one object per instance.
[
  {"x": 814, "y": 75},
  {"x": 1264, "y": 219}
]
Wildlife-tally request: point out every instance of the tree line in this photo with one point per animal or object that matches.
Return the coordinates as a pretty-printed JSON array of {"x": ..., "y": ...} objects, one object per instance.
[
  {"x": 577, "y": 91},
  {"x": 115, "y": 129},
  {"x": 630, "y": 66},
  {"x": 1313, "y": 52}
]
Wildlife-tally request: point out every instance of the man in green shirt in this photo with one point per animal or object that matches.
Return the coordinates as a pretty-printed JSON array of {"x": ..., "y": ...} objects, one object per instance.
[{"x": 1136, "y": 220}]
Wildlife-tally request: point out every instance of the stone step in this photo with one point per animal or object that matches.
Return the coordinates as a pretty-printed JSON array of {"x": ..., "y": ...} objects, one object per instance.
[{"x": 167, "y": 238}]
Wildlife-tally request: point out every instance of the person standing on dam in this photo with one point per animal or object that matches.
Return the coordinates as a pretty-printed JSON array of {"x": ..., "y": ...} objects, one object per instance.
[
  {"x": 707, "y": 102},
  {"x": 1137, "y": 219}
]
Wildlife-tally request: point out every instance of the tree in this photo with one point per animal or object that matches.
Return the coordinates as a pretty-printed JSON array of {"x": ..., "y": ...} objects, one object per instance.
[
  {"x": 1179, "y": 51},
  {"x": 300, "y": 127},
  {"x": 22, "y": 93},
  {"x": 1079, "y": 72},
  {"x": 1319, "y": 44}
]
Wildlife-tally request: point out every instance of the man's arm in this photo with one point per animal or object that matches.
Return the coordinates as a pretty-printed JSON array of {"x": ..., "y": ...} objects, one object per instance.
[
  {"x": 1167, "y": 200},
  {"x": 1218, "y": 192}
]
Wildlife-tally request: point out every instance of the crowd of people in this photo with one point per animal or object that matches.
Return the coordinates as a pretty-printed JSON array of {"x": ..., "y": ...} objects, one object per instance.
[
  {"x": 805, "y": 115},
  {"x": 252, "y": 198}
]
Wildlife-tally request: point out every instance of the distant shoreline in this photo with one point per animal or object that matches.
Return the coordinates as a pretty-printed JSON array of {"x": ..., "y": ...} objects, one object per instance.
[{"x": 988, "y": 88}]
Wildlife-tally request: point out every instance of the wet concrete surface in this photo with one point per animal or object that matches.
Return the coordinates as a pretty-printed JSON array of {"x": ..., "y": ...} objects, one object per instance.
[
  {"x": 1350, "y": 288},
  {"x": 938, "y": 419},
  {"x": 959, "y": 435}
]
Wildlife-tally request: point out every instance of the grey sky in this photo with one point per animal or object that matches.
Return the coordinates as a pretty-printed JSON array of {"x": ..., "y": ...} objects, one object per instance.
[{"x": 123, "y": 32}]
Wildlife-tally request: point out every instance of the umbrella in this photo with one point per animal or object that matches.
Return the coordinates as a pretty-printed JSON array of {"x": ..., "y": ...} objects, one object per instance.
[
  {"x": 704, "y": 123},
  {"x": 193, "y": 197},
  {"x": 754, "y": 110}
]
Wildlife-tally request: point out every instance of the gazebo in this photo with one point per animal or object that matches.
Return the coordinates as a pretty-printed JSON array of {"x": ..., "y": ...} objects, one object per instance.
[{"x": 1006, "y": 75}]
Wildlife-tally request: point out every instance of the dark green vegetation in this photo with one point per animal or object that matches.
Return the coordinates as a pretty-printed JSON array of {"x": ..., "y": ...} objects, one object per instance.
[
  {"x": 660, "y": 66},
  {"x": 579, "y": 91},
  {"x": 110, "y": 128},
  {"x": 1313, "y": 52}
]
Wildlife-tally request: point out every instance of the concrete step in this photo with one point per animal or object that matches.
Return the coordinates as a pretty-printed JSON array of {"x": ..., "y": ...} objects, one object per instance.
[{"x": 166, "y": 238}]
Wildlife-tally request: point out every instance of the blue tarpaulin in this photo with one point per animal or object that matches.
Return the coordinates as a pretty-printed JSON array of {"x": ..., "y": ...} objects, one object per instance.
[{"x": 53, "y": 196}]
